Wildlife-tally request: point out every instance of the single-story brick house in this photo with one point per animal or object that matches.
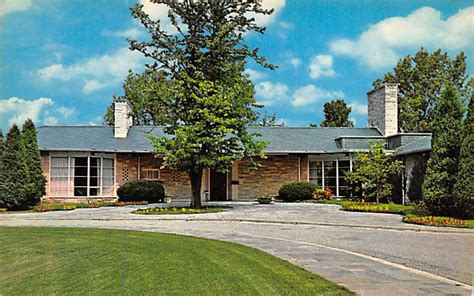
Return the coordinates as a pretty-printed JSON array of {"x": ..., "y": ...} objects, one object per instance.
[{"x": 83, "y": 162}]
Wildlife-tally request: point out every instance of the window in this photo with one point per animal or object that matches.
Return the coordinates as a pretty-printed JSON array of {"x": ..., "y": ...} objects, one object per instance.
[
  {"x": 330, "y": 174},
  {"x": 59, "y": 176},
  {"x": 150, "y": 174},
  {"x": 82, "y": 176}
]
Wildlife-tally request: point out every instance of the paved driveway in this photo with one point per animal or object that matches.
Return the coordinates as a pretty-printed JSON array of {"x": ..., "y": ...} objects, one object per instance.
[{"x": 372, "y": 254}]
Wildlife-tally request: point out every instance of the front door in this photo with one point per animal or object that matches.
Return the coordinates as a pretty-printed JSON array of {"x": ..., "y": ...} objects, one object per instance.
[{"x": 218, "y": 186}]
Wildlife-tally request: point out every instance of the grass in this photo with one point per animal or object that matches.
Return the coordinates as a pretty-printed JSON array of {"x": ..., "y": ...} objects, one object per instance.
[
  {"x": 175, "y": 211},
  {"x": 89, "y": 262}
]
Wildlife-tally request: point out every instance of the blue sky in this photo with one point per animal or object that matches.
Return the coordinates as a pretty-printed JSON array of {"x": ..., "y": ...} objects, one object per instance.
[{"x": 63, "y": 60}]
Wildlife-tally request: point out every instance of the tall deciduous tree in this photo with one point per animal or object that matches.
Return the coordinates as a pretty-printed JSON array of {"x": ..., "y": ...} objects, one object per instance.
[
  {"x": 371, "y": 173},
  {"x": 269, "y": 120},
  {"x": 421, "y": 78},
  {"x": 336, "y": 114},
  {"x": 212, "y": 101},
  {"x": 12, "y": 183},
  {"x": 464, "y": 187},
  {"x": 35, "y": 182},
  {"x": 145, "y": 92},
  {"x": 442, "y": 167}
]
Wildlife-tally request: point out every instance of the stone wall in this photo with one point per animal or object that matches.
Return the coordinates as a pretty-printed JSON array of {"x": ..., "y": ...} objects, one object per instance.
[
  {"x": 383, "y": 109},
  {"x": 45, "y": 168},
  {"x": 274, "y": 172}
]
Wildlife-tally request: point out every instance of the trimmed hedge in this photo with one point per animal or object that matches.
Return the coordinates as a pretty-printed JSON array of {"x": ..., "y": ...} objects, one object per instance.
[
  {"x": 297, "y": 191},
  {"x": 141, "y": 190}
]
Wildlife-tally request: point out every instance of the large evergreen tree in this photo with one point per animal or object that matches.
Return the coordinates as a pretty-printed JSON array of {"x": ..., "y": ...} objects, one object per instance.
[
  {"x": 35, "y": 182},
  {"x": 464, "y": 188},
  {"x": 1, "y": 166},
  {"x": 336, "y": 114},
  {"x": 421, "y": 78},
  {"x": 212, "y": 101},
  {"x": 12, "y": 183},
  {"x": 145, "y": 92},
  {"x": 442, "y": 167}
]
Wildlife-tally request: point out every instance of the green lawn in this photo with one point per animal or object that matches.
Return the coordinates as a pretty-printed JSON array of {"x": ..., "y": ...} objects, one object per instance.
[{"x": 89, "y": 261}]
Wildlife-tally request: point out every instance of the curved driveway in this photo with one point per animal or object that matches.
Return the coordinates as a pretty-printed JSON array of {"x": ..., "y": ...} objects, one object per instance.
[{"x": 372, "y": 254}]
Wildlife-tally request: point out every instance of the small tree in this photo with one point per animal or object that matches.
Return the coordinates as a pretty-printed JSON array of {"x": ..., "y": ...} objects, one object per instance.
[
  {"x": 12, "y": 183},
  {"x": 464, "y": 187},
  {"x": 35, "y": 183},
  {"x": 442, "y": 167},
  {"x": 269, "y": 120},
  {"x": 371, "y": 173},
  {"x": 336, "y": 114}
]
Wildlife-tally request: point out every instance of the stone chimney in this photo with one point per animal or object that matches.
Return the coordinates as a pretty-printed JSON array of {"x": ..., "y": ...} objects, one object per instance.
[
  {"x": 122, "y": 118},
  {"x": 383, "y": 108}
]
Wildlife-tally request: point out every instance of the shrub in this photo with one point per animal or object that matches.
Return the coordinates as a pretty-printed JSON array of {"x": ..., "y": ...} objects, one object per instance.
[
  {"x": 322, "y": 193},
  {"x": 141, "y": 190},
  {"x": 297, "y": 191},
  {"x": 264, "y": 199}
]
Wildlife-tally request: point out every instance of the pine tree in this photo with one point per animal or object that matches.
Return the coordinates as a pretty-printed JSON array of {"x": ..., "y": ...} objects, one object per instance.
[
  {"x": 442, "y": 167},
  {"x": 1, "y": 166},
  {"x": 12, "y": 184},
  {"x": 35, "y": 184},
  {"x": 464, "y": 188}
]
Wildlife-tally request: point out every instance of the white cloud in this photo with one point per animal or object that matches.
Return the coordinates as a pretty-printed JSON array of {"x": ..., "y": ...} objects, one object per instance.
[
  {"x": 265, "y": 20},
  {"x": 383, "y": 43},
  {"x": 295, "y": 62},
  {"x": 358, "y": 108},
  {"x": 321, "y": 66},
  {"x": 9, "y": 6},
  {"x": 17, "y": 110},
  {"x": 310, "y": 94},
  {"x": 43, "y": 111},
  {"x": 97, "y": 72},
  {"x": 66, "y": 112},
  {"x": 255, "y": 75},
  {"x": 131, "y": 33},
  {"x": 269, "y": 93}
]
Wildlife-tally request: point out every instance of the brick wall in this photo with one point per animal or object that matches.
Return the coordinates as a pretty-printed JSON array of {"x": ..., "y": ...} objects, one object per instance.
[
  {"x": 176, "y": 183},
  {"x": 274, "y": 172}
]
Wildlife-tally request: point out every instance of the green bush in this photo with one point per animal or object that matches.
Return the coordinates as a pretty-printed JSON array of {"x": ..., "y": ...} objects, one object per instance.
[
  {"x": 141, "y": 190},
  {"x": 297, "y": 191}
]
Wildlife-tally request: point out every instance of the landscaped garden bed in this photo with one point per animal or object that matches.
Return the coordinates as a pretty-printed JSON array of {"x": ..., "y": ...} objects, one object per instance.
[
  {"x": 177, "y": 211},
  {"x": 76, "y": 261},
  {"x": 57, "y": 206},
  {"x": 438, "y": 221}
]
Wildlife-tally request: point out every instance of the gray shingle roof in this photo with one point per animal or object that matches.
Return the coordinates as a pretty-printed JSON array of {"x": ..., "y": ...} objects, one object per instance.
[
  {"x": 421, "y": 145},
  {"x": 282, "y": 139}
]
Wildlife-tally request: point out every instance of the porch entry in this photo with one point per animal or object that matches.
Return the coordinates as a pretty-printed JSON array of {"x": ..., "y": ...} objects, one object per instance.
[{"x": 218, "y": 186}]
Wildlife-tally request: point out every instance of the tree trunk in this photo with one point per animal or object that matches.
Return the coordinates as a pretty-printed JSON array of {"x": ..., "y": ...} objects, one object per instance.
[{"x": 196, "y": 180}]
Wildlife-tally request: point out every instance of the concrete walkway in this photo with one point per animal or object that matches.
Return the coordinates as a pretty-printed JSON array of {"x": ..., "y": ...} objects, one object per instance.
[{"x": 371, "y": 254}]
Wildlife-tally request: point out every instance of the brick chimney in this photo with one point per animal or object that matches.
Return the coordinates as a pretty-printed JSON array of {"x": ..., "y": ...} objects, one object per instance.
[
  {"x": 383, "y": 108},
  {"x": 122, "y": 118}
]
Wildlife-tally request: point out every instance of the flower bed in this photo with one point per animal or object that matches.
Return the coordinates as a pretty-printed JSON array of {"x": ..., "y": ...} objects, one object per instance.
[
  {"x": 175, "y": 211},
  {"x": 47, "y": 206},
  {"x": 438, "y": 221}
]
